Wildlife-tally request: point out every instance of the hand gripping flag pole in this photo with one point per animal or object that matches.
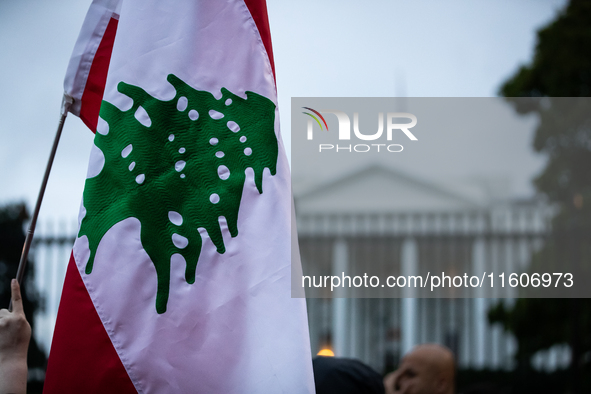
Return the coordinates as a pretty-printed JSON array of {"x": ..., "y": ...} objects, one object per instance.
[{"x": 20, "y": 273}]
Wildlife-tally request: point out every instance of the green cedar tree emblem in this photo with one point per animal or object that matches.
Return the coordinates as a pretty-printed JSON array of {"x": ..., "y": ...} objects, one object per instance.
[{"x": 177, "y": 170}]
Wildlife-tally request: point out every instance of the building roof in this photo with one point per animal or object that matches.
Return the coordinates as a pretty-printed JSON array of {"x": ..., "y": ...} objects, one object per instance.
[{"x": 377, "y": 189}]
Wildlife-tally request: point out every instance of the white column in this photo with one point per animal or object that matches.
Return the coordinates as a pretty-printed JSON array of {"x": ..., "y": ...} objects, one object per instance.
[
  {"x": 339, "y": 305},
  {"x": 409, "y": 315},
  {"x": 479, "y": 312}
]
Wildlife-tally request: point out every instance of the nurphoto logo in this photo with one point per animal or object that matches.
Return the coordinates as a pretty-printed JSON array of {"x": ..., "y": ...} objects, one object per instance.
[{"x": 344, "y": 131}]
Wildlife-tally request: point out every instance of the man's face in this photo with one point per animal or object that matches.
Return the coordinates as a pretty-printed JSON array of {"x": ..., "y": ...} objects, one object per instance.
[{"x": 415, "y": 376}]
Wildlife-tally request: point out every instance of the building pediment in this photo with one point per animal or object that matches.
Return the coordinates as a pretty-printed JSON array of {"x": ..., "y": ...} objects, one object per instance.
[{"x": 376, "y": 189}]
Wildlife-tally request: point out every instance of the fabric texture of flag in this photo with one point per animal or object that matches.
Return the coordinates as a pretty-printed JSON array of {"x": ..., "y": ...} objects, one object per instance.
[
  {"x": 87, "y": 71},
  {"x": 179, "y": 281}
]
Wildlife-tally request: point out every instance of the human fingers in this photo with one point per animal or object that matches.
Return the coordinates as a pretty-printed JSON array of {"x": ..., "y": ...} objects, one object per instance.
[{"x": 17, "y": 300}]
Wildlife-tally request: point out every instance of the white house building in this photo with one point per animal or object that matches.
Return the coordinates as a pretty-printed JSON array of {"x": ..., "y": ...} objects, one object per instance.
[{"x": 383, "y": 222}]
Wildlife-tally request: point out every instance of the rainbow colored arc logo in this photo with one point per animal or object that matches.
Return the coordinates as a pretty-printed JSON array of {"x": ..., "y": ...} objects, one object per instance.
[{"x": 315, "y": 118}]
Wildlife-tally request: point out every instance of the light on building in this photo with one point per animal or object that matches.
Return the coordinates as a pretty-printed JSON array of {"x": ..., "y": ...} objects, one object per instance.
[{"x": 325, "y": 352}]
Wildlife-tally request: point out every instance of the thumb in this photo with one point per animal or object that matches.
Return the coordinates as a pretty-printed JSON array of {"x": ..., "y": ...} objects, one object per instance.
[{"x": 17, "y": 300}]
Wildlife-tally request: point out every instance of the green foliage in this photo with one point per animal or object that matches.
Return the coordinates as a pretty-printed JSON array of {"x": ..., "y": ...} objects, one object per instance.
[
  {"x": 187, "y": 158},
  {"x": 540, "y": 323},
  {"x": 561, "y": 67}
]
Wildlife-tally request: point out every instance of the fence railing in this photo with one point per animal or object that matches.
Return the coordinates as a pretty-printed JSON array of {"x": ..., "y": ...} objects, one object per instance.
[
  {"x": 380, "y": 330},
  {"x": 377, "y": 331}
]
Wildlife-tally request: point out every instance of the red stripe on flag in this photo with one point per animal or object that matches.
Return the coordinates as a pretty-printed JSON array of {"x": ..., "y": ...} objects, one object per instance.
[
  {"x": 258, "y": 10},
  {"x": 82, "y": 357},
  {"x": 97, "y": 78}
]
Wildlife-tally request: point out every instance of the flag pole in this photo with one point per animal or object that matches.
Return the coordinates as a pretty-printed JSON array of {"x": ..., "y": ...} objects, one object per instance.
[{"x": 20, "y": 273}]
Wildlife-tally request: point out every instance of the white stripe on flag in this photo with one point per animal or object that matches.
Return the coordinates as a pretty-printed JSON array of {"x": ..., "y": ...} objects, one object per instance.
[{"x": 89, "y": 39}]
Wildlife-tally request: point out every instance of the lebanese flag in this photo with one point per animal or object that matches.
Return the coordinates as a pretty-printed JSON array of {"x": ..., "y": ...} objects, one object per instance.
[
  {"x": 180, "y": 278},
  {"x": 87, "y": 71}
]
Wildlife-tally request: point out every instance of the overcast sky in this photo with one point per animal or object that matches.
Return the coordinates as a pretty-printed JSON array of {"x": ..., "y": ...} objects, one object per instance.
[{"x": 435, "y": 48}]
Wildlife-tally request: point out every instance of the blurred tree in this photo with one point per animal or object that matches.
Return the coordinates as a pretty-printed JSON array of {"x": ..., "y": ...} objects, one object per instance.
[
  {"x": 12, "y": 239},
  {"x": 561, "y": 67}
]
